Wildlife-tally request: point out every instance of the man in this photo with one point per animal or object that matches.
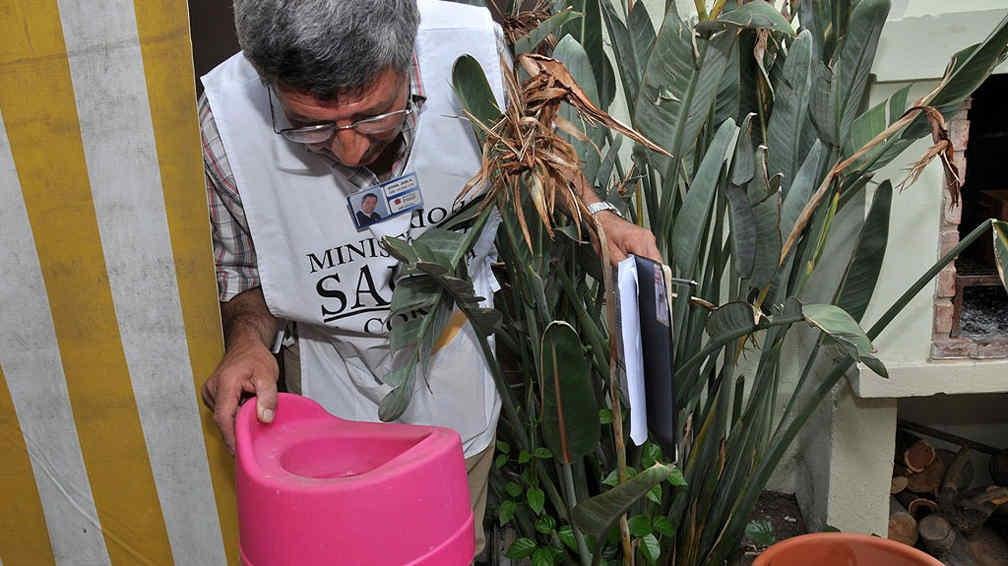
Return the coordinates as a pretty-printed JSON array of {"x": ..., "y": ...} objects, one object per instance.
[
  {"x": 330, "y": 98},
  {"x": 367, "y": 216}
]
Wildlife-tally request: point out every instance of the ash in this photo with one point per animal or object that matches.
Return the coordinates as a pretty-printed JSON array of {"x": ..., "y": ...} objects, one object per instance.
[{"x": 985, "y": 312}]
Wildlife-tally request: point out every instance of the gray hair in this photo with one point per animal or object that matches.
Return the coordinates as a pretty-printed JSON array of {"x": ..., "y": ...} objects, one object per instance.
[{"x": 326, "y": 47}]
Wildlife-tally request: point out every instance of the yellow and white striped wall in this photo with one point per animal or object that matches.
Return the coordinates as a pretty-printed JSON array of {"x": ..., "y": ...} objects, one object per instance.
[{"x": 108, "y": 313}]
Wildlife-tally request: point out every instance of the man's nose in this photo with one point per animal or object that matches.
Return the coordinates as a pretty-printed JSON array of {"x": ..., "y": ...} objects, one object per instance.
[{"x": 349, "y": 147}]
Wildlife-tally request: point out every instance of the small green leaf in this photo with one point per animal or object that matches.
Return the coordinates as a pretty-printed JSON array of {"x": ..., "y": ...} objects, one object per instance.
[
  {"x": 640, "y": 525},
  {"x": 605, "y": 416},
  {"x": 654, "y": 494},
  {"x": 566, "y": 536},
  {"x": 506, "y": 511},
  {"x": 545, "y": 524},
  {"x": 542, "y": 557},
  {"x": 760, "y": 532},
  {"x": 500, "y": 461},
  {"x": 649, "y": 544},
  {"x": 521, "y": 548},
  {"x": 651, "y": 454},
  {"x": 513, "y": 489},
  {"x": 676, "y": 478},
  {"x": 524, "y": 457},
  {"x": 663, "y": 526},
  {"x": 503, "y": 447},
  {"x": 542, "y": 453},
  {"x": 611, "y": 479},
  {"x": 536, "y": 499}
]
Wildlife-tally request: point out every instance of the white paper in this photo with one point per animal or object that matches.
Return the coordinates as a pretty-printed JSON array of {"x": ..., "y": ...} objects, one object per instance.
[{"x": 633, "y": 357}]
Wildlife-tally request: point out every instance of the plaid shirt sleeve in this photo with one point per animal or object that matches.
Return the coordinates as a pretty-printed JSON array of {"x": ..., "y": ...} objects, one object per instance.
[{"x": 234, "y": 254}]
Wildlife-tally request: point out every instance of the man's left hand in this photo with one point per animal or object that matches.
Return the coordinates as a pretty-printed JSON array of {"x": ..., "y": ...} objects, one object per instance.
[{"x": 624, "y": 238}]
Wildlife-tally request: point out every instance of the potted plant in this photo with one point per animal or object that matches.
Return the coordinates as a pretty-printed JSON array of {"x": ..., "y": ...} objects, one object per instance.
[{"x": 750, "y": 136}]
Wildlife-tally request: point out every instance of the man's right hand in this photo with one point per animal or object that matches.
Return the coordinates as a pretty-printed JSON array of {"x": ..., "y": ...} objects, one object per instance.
[{"x": 248, "y": 366}]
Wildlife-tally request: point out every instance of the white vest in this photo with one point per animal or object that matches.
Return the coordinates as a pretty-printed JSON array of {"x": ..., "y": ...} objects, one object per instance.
[{"x": 317, "y": 269}]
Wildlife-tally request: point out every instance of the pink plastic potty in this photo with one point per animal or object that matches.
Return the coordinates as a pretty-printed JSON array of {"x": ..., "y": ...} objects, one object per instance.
[{"x": 314, "y": 489}]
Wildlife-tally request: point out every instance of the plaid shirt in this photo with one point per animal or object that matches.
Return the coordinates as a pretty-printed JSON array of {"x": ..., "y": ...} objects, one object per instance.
[{"x": 234, "y": 253}]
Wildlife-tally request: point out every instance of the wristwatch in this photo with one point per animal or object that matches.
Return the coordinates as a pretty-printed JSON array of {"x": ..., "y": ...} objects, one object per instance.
[{"x": 597, "y": 207}]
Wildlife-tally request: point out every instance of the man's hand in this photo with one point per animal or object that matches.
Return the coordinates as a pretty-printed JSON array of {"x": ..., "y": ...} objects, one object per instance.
[
  {"x": 625, "y": 238},
  {"x": 248, "y": 366}
]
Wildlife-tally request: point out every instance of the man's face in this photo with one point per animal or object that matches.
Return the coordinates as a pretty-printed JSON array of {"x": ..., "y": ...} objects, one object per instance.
[
  {"x": 367, "y": 205},
  {"x": 388, "y": 93}
]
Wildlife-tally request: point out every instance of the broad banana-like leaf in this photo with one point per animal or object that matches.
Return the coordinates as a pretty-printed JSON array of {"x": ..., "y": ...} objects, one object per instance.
[
  {"x": 862, "y": 273},
  {"x": 728, "y": 102},
  {"x": 623, "y": 49},
  {"x": 853, "y": 62},
  {"x": 678, "y": 88},
  {"x": 692, "y": 220},
  {"x": 971, "y": 67},
  {"x": 838, "y": 325},
  {"x": 870, "y": 124},
  {"x": 816, "y": 16},
  {"x": 596, "y": 515},
  {"x": 743, "y": 229},
  {"x": 820, "y": 105},
  {"x": 757, "y": 14},
  {"x": 395, "y": 402},
  {"x": 765, "y": 200},
  {"x": 553, "y": 25},
  {"x": 473, "y": 90},
  {"x": 570, "y": 411},
  {"x": 805, "y": 183},
  {"x": 790, "y": 120},
  {"x": 642, "y": 34},
  {"x": 729, "y": 320},
  {"x": 572, "y": 54},
  {"x": 743, "y": 162},
  {"x": 1000, "y": 232},
  {"x": 588, "y": 32}
]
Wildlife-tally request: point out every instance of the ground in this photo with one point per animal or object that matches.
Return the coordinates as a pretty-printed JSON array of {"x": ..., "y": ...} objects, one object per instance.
[{"x": 785, "y": 518}]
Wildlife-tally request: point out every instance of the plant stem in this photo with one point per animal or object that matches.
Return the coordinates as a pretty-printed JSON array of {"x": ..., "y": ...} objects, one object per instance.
[{"x": 568, "y": 477}]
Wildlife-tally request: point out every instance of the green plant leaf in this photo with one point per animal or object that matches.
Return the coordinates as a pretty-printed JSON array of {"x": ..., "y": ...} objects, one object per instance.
[
  {"x": 971, "y": 66},
  {"x": 545, "y": 524},
  {"x": 806, "y": 181},
  {"x": 692, "y": 220},
  {"x": 595, "y": 515},
  {"x": 566, "y": 535},
  {"x": 500, "y": 461},
  {"x": 536, "y": 499},
  {"x": 573, "y": 55},
  {"x": 838, "y": 324},
  {"x": 853, "y": 62},
  {"x": 513, "y": 488},
  {"x": 542, "y": 556},
  {"x": 858, "y": 284},
  {"x": 570, "y": 411},
  {"x": 552, "y": 25},
  {"x": 765, "y": 200},
  {"x": 757, "y": 14},
  {"x": 663, "y": 526},
  {"x": 650, "y": 547},
  {"x": 473, "y": 90},
  {"x": 654, "y": 494},
  {"x": 623, "y": 49},
  {"x": 524, "y": 457},
  {"x": 542, "y": 453},
  {"x": 730, "y": 319},
  {"x": 521, "y": 548},
  {"x": 678, "y": 88},
  {"x": 640, "y": 525},
  {"x": 760, "y": 532},
  {"x": 789, "y": 123},
  {"x": 605, "y": 416},
  {"x": 506, "y": 511},
  {"x": 1000, "y": 233}
]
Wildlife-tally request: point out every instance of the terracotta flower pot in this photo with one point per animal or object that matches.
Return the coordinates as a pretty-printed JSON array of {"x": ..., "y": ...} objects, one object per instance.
[{"x": 842, "y": 549}]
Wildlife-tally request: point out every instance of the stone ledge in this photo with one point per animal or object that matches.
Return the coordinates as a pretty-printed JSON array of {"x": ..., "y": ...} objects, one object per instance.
[{"x": 952, "y": 376}]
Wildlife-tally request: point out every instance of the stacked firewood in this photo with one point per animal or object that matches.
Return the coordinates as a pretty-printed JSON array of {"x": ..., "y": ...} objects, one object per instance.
[{"x": 936, "y": 505}]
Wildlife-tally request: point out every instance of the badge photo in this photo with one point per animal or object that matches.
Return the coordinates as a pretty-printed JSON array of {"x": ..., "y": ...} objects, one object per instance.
[
  {"x": 368, "y": 207},
  {"x": 380, "y": 202}
]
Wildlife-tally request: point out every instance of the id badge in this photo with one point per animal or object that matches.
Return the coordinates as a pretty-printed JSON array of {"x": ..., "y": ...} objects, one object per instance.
[{"x": 378, "y": 203}]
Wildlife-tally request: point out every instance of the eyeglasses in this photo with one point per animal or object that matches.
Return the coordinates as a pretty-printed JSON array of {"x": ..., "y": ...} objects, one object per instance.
[{"x": 322, "y": 133}]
